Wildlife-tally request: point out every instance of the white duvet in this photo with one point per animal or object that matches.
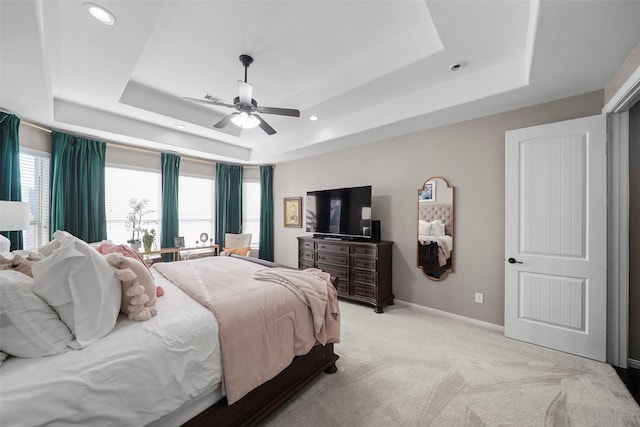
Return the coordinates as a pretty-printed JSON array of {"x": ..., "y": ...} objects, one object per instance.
[
  {"x": 138, "y": 373},
  {"x": 426, "y": 239}
]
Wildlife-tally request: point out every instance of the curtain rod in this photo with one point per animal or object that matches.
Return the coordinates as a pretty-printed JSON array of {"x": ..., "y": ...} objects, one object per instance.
[{"x": 131, "y": 147}]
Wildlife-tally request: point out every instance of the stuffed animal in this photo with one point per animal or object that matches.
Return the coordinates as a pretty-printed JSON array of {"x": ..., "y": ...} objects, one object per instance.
[{"x": 138, "y": 288}]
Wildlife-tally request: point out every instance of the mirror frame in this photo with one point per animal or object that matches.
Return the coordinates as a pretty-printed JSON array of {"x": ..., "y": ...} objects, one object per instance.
[{"x": 444, "y": 273}]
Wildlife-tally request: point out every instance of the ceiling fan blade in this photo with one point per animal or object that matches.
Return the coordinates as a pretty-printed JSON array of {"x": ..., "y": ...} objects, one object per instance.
[
  {"x": 245, "y": 91},
  {"x": 208, "y": 102},
  {"x": 225, "y": 121},
  {"x": 280, "y": 111},
  {"x": 214, "y": 98},
  {"x": 264, "y": 125}
]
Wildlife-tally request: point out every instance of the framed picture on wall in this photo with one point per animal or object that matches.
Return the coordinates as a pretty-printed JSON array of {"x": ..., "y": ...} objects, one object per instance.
[
  {"x": 293, "y": 212},
  {"x": 428, "y": 192},
  {"x": 178, "y": 242}
]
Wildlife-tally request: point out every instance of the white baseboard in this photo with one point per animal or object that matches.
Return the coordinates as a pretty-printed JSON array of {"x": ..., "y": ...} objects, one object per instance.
[
  {"x": 477, "y": 322},
  {"x": 633, "y": 363}
]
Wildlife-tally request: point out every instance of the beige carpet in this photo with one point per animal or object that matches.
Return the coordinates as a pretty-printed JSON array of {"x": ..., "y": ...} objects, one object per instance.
[{"x": 411, "y": 367}]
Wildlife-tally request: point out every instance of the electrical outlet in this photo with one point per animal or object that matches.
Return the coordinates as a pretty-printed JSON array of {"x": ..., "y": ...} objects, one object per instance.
[{"x": 479, "y": 298}]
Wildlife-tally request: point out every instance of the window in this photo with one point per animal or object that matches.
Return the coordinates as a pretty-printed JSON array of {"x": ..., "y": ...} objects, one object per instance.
[
  {"x": 251, "y": 210},
  {"x": 196, "y": 208},
  {"x": 123, "y": 184},
  {"x": 34, "y": 179}
]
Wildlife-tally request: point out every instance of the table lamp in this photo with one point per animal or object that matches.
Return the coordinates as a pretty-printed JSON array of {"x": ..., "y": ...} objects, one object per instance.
[{"x": 13, "y": 216}]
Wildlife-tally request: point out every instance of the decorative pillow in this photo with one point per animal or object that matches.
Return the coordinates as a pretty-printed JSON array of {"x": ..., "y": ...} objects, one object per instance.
[
  {"x": 237, "y": 251},
  {"x": 16, "y": 263},
  {"x": 29, "y": 327},
  {"x": 437, "y": 228},
  {"x": 28, "y": 255},
  {"x": 424, "y": 227},
  {"x": 81, "y": 287},
  {"x": 138, "y": 287},
  {"x": 109, "y": 248}
]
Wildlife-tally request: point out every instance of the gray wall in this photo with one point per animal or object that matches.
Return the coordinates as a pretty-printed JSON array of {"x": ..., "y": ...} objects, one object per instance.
[
  {"x": 628, "y": 67},
  {"x": 470, "y": 155},
  {"x": 634, "y": 232}
]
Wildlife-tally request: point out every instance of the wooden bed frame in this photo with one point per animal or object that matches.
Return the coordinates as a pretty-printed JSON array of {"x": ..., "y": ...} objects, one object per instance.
[{"x": 265, "y": 399}]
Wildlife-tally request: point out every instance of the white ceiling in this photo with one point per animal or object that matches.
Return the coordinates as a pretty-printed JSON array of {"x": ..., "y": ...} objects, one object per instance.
[{"x": 369, "y": 69}]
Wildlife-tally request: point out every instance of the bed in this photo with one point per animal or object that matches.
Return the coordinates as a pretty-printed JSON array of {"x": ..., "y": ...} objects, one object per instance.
[
  {"x": 435, "y": 238},
  {"x": 165, "y": 371}
]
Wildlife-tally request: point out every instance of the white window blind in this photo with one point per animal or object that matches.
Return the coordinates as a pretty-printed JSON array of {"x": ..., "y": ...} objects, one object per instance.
[
  {"x": 196, "y": 208},
  {"x": 123, "y": 184},
  {"x": 34, "y": 180},
  {"x": 251, "y": 210}
]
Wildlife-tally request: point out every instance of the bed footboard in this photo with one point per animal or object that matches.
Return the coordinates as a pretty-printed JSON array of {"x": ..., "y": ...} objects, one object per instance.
[{"x": 265, "y": 399}]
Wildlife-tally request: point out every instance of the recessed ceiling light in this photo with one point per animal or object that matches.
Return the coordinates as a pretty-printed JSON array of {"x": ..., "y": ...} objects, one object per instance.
[
  {"x": 313, "y": 118},
  {"x": 179, "y": 126},
  {"x": 456, "y": 66},
  {"x": 101, "y": 14}
]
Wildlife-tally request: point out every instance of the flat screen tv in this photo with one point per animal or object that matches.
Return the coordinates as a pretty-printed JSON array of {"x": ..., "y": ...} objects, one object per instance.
[{"x": 342, "y": 212}]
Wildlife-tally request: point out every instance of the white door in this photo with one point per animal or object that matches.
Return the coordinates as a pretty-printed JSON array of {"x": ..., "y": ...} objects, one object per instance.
[{"x": 556, "y": 236}]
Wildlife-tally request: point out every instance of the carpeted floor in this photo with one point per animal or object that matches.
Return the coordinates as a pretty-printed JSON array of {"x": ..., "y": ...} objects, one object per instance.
[{"x": 413, "y": 367}]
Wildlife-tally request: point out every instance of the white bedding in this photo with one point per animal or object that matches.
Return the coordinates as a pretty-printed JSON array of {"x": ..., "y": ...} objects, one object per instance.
[
  {"x": 427, "y": 239},
  {"x": 137, "y": 374}
]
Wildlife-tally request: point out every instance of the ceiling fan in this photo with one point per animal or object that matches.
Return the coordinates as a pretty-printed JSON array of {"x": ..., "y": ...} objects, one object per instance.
[{"x": 246, "y": 116}]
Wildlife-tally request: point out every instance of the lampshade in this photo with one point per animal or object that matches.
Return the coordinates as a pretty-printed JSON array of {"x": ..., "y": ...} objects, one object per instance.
[
  {"x": 14, "y": 215},
  {"x": 245, "y": 121}
]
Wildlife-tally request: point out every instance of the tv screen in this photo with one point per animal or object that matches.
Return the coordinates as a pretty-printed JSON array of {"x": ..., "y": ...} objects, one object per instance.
[{"x": 341, "y": 212}]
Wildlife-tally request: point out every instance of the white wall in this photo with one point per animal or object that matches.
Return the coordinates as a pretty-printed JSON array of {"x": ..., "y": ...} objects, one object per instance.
[{"x": 470, "y": 156}]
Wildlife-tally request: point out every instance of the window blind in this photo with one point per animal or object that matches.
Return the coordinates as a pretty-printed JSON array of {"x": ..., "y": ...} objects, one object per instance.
[
  {"x": 251, "y": 210},
  {"x": 34, "y": 180},
  {"x": 123, "y": 184},
  {"x": 196, "y": 210}
]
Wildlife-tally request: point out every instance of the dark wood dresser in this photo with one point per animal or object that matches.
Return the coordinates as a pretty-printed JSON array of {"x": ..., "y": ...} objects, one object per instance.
[{"x": 363, "y": 268}]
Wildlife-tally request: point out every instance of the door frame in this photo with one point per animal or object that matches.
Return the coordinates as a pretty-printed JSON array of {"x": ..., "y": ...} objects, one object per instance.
[{"x": 617, "y": 110}]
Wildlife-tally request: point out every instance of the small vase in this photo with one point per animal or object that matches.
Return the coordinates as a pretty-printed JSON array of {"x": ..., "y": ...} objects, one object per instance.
[{"x": 148, "y": 243}]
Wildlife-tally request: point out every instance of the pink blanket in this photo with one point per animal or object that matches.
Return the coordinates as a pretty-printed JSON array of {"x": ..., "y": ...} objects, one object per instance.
[{"x": 263, "y": 325}]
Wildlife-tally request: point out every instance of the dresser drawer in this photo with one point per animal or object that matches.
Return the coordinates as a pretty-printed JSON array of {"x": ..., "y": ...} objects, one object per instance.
[
  {"x": 333, "y": 247},
  {"x": 364, "y": 263},
  {"x": 342, "y": 286},
  {"x": 363, "y": 291},
  {"x": 365, "y": 250},
  {"x": 302, "y": 264},
  {"x": 303, "y": 244},
  {"x": 306, "y": 255},
  {"x": 340, "y": 273},
  {"x": 333, "y": 258},
  {"x": 366, "y": 277}
]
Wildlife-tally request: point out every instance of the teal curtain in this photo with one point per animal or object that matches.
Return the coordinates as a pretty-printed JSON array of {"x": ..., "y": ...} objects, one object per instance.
[
  {"x": 77, "y": 187},
  {"x": 10, "y": 169},
  {"x": 170, "y": 221},
  {"x": 228, "y": 200},
  {"x": 266, "y": 213}
]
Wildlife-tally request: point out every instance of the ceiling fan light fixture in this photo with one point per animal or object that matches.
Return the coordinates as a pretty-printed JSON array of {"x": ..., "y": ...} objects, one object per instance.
[
  {"x": 245, "y": 121},
  {"x": 101, "y": 14}
]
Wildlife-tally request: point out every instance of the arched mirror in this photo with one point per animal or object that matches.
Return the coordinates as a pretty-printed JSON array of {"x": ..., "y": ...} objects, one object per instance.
[{"x": 435, "y": 228}]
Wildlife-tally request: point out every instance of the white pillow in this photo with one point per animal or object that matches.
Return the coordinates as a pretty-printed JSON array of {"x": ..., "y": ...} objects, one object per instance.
[
  {"x": 48, "y": 248},
  {"x": 81, "y": 286},
  {"x": 424, "y": 227},
  {"x": 29, "y": 327},
  {"x": 437, "y": 228}
]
